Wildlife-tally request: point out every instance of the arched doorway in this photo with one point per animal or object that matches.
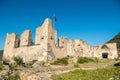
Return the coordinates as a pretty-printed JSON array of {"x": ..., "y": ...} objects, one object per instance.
[{"x": 105, "y": 55}]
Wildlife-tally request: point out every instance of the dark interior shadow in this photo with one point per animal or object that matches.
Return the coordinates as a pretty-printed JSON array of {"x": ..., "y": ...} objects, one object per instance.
[{"x": 117, "y": 64}]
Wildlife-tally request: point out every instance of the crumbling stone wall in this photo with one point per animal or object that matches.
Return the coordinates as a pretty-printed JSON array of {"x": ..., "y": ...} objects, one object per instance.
[
  {"x": 47, "y": 49},
  {"x": 26, "y": 38},
  {"x": 79, "y": 48},
  {"x": 70, "y": 48},
  {"x": 60, "y": 51},
  {"x": 12, "y": 41},
  {"x": 110, "y": 48}
]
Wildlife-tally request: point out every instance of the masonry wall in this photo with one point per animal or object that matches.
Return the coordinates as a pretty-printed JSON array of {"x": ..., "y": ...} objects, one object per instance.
[
  {"x": 12, "y": 41},
  {"x": 31, "y": 53},
  {"x": 70, "y": 48},
  {"x": 42, "y": 36},
  {"x": 26, "y": 38},
  {"x": 61, "y": 50},
  {"x": 46, "y": 47},
  {"x": 111, "y": 50},
  {"x": 82, "y": 49}
]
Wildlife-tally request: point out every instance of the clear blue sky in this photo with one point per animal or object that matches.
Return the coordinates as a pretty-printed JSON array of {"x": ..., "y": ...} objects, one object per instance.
[{"x": 94, "y": 21}]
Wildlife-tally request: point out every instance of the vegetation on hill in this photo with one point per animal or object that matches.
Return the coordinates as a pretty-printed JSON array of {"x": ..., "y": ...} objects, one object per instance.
[
  {"x": 1, "y": 54},
  {"x": 62, "y": 61},
  {"x": 116, "y": 39},
  {"x": 1, "y": 65},
  {"x": 18, "y": 60},
  {"x": 98, "y": 74},
  {"x": 82, "y": 60}
]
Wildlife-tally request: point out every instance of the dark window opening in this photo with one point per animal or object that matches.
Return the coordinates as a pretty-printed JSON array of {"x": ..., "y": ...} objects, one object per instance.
[
  {"x": 42, "y": 37},
  {"x": 62, "y": 42},
  {"x": 78, "y": 44},
  {"x": 51, "y": 38},
  {"x": 104, "y": 55},
  {"x": 61, "y": 47},
  {"x": 19, "y": 43},
  {"x": 68, "y": 56}
]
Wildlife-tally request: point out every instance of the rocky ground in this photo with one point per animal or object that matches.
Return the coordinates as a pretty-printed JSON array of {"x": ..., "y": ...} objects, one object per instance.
[{"x": 45, "y": 72}]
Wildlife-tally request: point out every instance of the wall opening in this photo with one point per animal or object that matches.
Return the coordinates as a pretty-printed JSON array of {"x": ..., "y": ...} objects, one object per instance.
[
  {"x": 104, "y": 55},
  {"x": 78, "y": 45},
  {"x": 51, "y": 38},
  {"x": 42, "y": 38}
]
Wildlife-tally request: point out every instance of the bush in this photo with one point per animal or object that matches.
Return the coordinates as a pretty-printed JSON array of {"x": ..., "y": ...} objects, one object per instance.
[
  {"x": 34, "y": 61},
  {"x": 96, "y": 60},
  {"x": 18, "y": 60},
  {"x": 43, "y": 62},
  {"x": 1, "y": 66},
  {"x": 14, "y": 77},
  {"x": 82, "y": 60},
  {"x": 116, "y": 75},
  {"x": 76, "y": 64},
  {"x": 63, "y": 61},
  {"x": 116, "y": 59}
]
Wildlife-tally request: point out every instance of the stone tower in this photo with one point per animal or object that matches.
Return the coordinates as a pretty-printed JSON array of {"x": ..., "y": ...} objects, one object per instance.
[
  {"x": 45, "y": 34},
  {"x": 26, "y": 38},
  {"x": 46, "y": 37},
  {"x": 12, "y": 41}
]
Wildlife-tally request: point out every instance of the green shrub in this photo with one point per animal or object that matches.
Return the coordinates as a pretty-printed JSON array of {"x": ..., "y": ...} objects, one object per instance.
[
  {"x": 76, "y": 64},
  {"x": 14, "y": 77},
  {"x": 1, "y": 66},
  {"x": 96, "y": 60},
  {"x": 18, "y": 60},
  {"x": 116, "y": 59},
  {"x": 34, "y": 61},
  {"x": 43, "y": 62},
  {"x": 63, "y": 61},
  {"x": 82, "y": 60},
  {"x": 116, "y": 75}
]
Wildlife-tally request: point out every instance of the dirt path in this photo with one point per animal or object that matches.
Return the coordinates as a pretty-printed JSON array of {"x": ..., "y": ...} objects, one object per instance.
[
  {"x": 48, "y": 71},
  {"x": 87, "y": 66}
]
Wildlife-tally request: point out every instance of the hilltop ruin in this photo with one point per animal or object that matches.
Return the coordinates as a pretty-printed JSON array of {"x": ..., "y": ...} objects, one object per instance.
[{"x": 46, "y": 48}]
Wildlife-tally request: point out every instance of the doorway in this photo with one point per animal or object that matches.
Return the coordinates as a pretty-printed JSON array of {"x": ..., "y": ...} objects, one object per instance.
[{"x": 104, "y": 55}]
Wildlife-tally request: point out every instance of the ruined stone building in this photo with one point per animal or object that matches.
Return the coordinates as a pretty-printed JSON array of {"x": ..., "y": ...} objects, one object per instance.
[{"x": 46, "y": 48}]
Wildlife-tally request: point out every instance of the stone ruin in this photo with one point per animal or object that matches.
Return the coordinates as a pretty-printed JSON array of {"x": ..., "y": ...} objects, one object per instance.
[{"x": 46, "y": 48}]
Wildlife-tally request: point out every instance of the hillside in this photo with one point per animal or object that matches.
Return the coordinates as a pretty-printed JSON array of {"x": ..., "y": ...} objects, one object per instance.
[{"x": 116, "y": 39}]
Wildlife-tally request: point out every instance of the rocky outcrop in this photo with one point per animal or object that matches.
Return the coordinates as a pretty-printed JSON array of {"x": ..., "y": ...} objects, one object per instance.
[{"x": 28, "y": 75}]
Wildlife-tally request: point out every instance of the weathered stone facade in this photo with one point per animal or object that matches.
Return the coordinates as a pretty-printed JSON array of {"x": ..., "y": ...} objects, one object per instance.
[{"x": 46, "y": 47}]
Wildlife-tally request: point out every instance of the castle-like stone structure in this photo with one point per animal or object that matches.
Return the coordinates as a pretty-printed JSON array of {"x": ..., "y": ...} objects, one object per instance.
[{"x": 46, "y": 48}]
